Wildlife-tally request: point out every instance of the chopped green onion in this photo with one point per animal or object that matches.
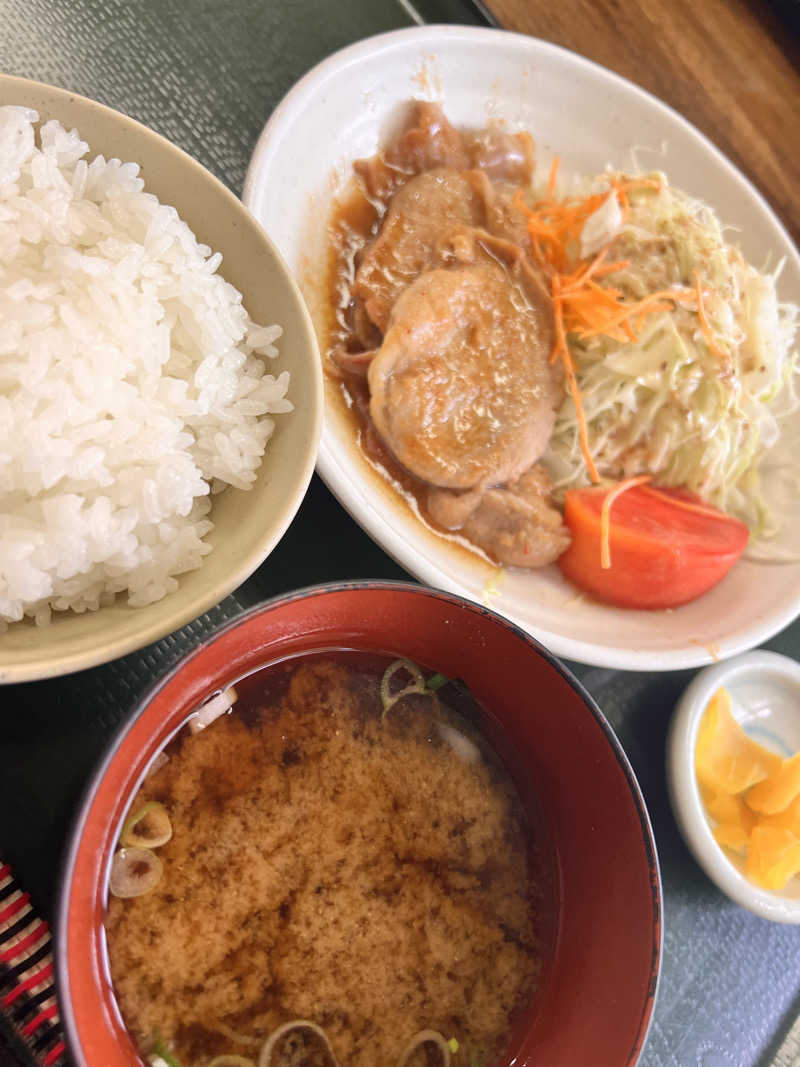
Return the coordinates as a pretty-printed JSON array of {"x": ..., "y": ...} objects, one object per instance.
[
  {"x": 159, "y": 1048},
  {"x": 452, "y": 1044},
  {"x": 212, "y": 709},
  {"x": 425, "y": 1037},
  {"x": 234, "y": 1035},
  {"x": 148, "y": 827},
  {"x": 231, "y": 1061},
  {"x": 134, "y": 872},
  {"x": 389, "y": 699},
  {"x": 265, "y": 1059},
  {"x": 436, "y": 681}
]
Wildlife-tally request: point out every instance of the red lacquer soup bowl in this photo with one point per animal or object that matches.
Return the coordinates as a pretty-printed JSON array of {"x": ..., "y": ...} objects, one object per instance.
[{"x": 601, "y": 931}]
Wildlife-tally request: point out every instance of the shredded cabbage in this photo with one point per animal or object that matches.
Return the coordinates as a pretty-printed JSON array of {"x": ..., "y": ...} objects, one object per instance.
[{"x": 667, "y": 404}]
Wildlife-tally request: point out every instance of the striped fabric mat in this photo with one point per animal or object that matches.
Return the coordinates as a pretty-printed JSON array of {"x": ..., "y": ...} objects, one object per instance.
[{"x": 28, "y": 1009}]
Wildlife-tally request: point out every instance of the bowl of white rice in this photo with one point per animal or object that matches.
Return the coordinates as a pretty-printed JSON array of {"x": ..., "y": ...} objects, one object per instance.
[{"x": 160, "y": 386}]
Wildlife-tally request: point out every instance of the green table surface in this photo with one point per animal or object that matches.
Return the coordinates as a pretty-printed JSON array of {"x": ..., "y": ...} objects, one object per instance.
[{"x": 206, "y": 74}]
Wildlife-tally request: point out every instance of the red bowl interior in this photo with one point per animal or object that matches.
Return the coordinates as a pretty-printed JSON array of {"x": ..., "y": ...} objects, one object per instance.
[{"x": 596, "y": 998}]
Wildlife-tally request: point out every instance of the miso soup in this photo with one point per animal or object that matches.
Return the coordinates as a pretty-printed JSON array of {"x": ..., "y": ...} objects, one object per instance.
[{"x": 342, "y": 851}]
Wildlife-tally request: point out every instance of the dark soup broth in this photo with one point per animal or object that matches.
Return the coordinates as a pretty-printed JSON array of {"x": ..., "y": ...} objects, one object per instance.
[{"x": 344, "y": 851}]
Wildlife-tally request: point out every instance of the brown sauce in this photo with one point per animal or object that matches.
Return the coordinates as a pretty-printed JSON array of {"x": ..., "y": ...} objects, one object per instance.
[
  {"x": 368, "y": 873},
  {"x": 438, "y": 335},
  {"x": 355, "y": 221}
]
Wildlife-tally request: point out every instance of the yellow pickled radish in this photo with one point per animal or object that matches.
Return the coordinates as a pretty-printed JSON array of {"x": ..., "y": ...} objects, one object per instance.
[
  {"x": 728, "y": 809},
  {"x": 779, "y": 790},
  {"x": 751, "y": 795},
  {"x": 732, "y": 836},
  {"x": 726, "y": 759},
  {"x": 788, "y": 819},
  {"x": 773, "y": 857}
]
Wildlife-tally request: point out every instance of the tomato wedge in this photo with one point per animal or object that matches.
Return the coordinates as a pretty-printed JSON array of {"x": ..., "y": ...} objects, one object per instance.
[{"x": 666, "y": 546}]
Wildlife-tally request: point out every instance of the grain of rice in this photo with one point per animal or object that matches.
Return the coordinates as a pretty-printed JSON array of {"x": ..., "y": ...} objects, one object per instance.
[{"x": 132, "y": 381}]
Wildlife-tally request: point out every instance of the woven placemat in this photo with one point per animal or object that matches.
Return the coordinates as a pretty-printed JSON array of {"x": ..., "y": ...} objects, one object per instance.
[{"x": 28, "y": 1010}]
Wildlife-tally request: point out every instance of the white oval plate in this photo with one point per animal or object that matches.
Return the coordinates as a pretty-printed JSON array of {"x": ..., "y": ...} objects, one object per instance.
[{"x": 346, "y": 108}]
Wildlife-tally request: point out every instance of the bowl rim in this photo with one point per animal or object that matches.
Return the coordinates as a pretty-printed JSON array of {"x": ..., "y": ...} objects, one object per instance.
[
  {"x": 48, "y": 666},
  {"x": 371, "y": 519},
  {"x": 684, "y": 791},
  {"x": 68, "y": 863}
]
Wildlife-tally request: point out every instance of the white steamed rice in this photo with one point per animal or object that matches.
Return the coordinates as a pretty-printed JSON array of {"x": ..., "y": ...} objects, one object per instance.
[{"x": 131, "y": 383}]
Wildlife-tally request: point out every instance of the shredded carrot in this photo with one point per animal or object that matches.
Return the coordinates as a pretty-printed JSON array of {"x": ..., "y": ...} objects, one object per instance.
[
  {"x": 705, "y": 325},
  {"x": 581, "y": 306},
  {"x": 605, "y": 516},
  {"x": 698, "y": 507},
  {"x": 583, "y": 430},
  {"x": 594, "y": 269},
  {"x": 562, "y": 349},
  {"x": 610, "y": 268}
]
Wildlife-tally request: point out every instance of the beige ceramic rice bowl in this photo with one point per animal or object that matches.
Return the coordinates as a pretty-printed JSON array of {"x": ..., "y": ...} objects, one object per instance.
[{"x": 246, "y": 524}]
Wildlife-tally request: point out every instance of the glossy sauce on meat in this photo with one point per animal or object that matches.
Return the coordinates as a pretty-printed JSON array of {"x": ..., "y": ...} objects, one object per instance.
[{"x": 442, "y": 334}]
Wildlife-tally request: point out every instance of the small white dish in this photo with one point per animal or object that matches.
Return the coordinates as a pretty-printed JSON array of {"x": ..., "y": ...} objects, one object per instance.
[
  {"x": 346, "y": 108},
  {"x": 765, "y": 699}
]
